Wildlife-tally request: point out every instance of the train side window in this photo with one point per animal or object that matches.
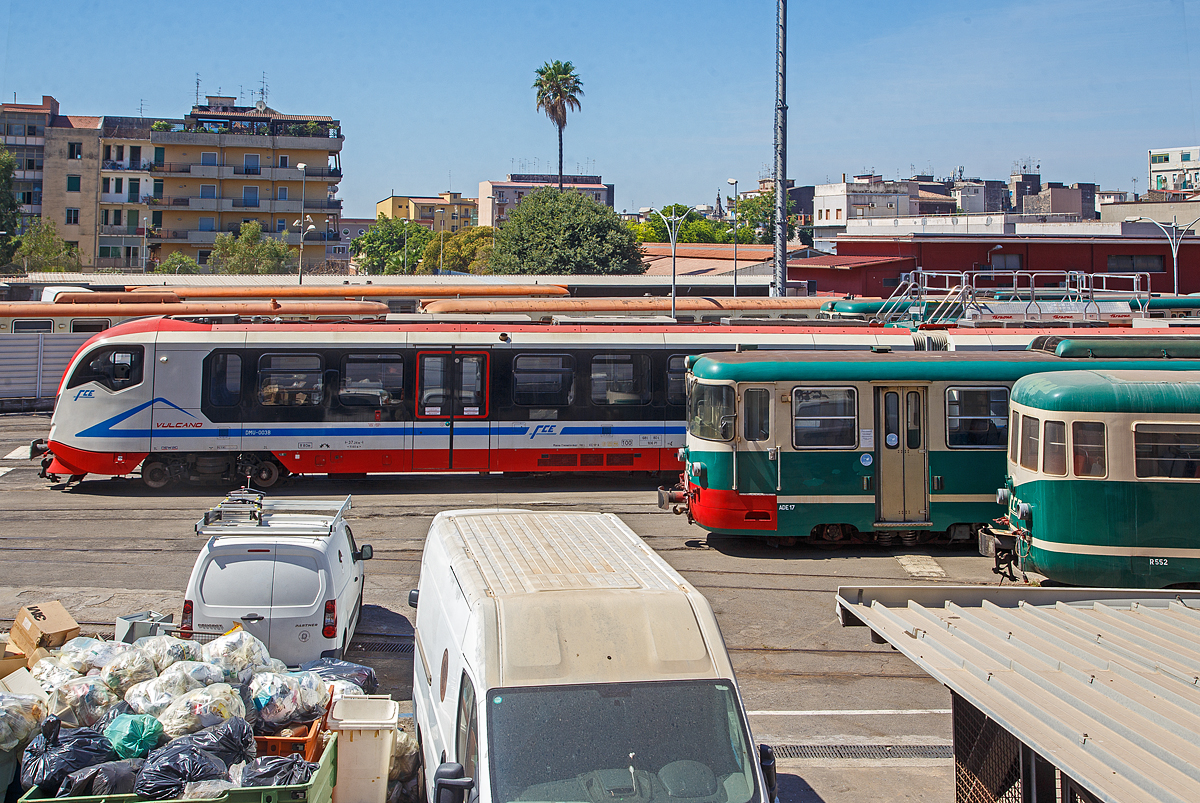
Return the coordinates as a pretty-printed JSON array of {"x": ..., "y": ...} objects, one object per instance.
[
  {"x": 756, "y": 421},
  {"x": 710, "y": 412},
  {"x": 825, "y": 418},
  {"x": 432, "y": 389},
  {"x": 225, "y": 380},
  {"x": 471, "y": 393},
  {"x": 1014, "y": 439},
  {"x": 372, "y": 380},
  {"x": 32, "y": 325},
  {"x": 89, "y": 324},
  {"x": 1029, "y": 442},
  {"x": 620, "y": 379},
  {"x": 290, "y": 380},
  {"x": 676, "y": 379},
  {"x": 891, "y": 420},
  {"x": 1054, "y": 449},
  {"x": 1087, "y": 449},
  {"x": 1167, "y": 450},
  {"x": 114, "y": 367},
  {"x": 977, "y": 417},
  {"x": 543, "y": 380}
]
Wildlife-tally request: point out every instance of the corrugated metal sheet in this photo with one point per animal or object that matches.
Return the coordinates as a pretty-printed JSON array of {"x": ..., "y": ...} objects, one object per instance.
[
  {"x": 32, "y": 364},
  {"x": 1104, "y": 684}
]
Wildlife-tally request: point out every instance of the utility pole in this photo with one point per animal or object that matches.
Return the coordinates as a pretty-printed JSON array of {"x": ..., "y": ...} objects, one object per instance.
[{"x": 779, "y": 287}]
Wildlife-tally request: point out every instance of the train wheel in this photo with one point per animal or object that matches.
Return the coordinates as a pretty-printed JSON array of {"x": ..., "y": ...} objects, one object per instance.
[
  {"x": 156, "y": 475},
  {"x": 266, "y": 474}
]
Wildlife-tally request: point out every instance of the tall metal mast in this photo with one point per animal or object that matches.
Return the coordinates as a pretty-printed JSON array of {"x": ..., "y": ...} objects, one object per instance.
[{"x": 779, "y": 287}]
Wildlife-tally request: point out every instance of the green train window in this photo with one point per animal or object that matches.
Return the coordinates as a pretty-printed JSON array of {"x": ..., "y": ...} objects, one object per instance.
[
  {"x": 756, "y": 423},
  {"x": 1054, "y": 449},
  {"x": 1029, "y": 442},
  {"x": 1087, "y": 449},
  {"x": 825, "y": 418},
  {"x": 1014, "y": 437},
  {"x": 1170, "y": 451},
  {"x": 710, "y": 412},
  {"x": 977, "y": 418}
]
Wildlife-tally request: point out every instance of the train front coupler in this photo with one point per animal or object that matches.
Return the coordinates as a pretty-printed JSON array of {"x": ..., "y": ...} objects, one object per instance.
[{"x": 676, "y": 499}]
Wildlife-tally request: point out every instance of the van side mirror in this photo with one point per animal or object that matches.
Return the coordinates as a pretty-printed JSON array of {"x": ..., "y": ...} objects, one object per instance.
[
  {"x": 365, "y": 552},
  {"x": 412, "y": 598},
  {"x": 449, "y": 785},
  {"x": 766, "y": 760}
]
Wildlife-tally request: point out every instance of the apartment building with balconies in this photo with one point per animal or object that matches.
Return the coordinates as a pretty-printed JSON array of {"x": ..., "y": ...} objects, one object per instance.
[
  {"x": 23, "y": 126},
  {"x": 447, "y": 212},
  {"x": 224, "y": 165}
]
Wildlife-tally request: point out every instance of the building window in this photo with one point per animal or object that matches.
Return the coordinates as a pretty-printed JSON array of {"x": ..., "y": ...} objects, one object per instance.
[
  {"x": 103, "y": 219},
  {"x": 1186, "y": 156},
  {"x": 283, "y": 193},
  {"x": 838, "y": 214},
  {"x": 105, "y": 184},
  {"x": 1160, "y": 158},
  {"x": 72, "y": 217},
  {"x": 118, "y": 185},
  {"x": 108, "y": 153},
  {"x": 280, "y": 224},
  {"x": 208, "y": 224},
  {"x": 74, "y": 150},
  {"x": 72, "y": 183},
  {"x": 1136, "y": 263},
  {"x": 208, "y": 158},
  {"x": 283, "y": 161},
  {"x": 202, "y": 257},
  {"x": 116, "y": 217},
  {"x": 120, "y": 152}
]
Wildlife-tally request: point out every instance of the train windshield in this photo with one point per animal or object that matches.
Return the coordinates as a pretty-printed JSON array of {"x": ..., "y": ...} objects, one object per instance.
[
  {"x": 710, "y": 412},
  {"x": 664, "y": 741}
]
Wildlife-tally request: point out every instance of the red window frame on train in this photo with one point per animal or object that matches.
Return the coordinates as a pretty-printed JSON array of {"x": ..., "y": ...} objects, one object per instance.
[{"x": 419, "y": 410}]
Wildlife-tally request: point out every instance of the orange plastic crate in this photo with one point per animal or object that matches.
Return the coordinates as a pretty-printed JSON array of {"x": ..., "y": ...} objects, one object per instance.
[{"x": 309, "y": 746}]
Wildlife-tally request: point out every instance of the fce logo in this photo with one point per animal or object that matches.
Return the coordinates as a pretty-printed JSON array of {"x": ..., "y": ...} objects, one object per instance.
[
  {"x": 85, "y": 394},
  {"x": 546, "y": 428}
]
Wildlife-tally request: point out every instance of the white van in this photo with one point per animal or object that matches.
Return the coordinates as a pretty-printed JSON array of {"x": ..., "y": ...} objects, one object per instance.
[
  {"x": 287, "y": 570},
  {"x": 558, "y": 658}
]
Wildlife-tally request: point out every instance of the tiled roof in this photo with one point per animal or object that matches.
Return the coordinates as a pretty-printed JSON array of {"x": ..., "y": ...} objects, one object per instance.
[
  {"x": 709, "y": 250},
  {"x": 75, "y": 121},
  {"x": 263, "y": 115},
  {"x": 835, "y": 262}
]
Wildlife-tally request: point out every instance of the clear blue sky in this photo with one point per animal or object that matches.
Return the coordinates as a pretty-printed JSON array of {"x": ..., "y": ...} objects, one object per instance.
[{"x": 679, "y": 96}]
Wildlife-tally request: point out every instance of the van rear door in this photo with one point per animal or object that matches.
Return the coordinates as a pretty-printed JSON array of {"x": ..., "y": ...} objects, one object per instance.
[
  {"x": 300, "y": 589},
  {"x": 234, "y": 588}
]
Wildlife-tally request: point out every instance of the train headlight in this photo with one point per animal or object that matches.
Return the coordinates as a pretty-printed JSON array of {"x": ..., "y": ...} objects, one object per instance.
[
  {"x": 695, "y": 469},
  {"x": 1024, "y": 512},
  {"x": 1002, "y": 496}
]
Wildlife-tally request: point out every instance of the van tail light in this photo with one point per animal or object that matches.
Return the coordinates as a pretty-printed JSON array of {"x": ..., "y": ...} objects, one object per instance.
[
  {"x": 329, "y": 630},
  {"x": 185, "y": 623}
]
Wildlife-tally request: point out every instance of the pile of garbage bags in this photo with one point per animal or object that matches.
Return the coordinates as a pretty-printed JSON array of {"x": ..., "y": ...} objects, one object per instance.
[{"x": 166, "y": 717}]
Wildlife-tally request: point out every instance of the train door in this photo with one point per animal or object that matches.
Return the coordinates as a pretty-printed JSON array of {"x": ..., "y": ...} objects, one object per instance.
[
  {"x": 179, "y": 425},
  {"x": 451, "y": 429},
  {"x": 901, "y": 454},
  {"x": 757, "y": 455}
]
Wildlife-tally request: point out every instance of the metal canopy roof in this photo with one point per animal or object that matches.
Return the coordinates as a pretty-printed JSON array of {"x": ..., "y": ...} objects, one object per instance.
[{"x": 1102, "y": 683}]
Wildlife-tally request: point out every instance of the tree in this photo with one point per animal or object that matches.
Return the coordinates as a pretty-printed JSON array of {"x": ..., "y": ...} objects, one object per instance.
[
  {"x": 563, "y": 233},
  {"x": 467, "y": 250},
  {"x": 41, "y": 249},
  {"x": 251, "y": 252},
  {"x": 9, "y": 210},
  {"x": 382, "y": 249},
  {"x": 178, "y": 262},
  {"x": 694, "y": 228},
  {"x": 757, "y": 213},
  {"x": 558, "y": 91}
]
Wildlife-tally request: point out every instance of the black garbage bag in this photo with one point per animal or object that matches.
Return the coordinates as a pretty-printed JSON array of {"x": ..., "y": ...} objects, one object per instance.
[
  {"x": 278, "y": 771},
  {"x": 232, "y": 741},
  {"x": 51, "y": 756},
  {"x": 112, "y": 713},
  {"x": 110, "y": 778},
  {"x": 170, "y": 768},
  {"x": 333, "y": 669},
  {"x": 248, "y": 701}
]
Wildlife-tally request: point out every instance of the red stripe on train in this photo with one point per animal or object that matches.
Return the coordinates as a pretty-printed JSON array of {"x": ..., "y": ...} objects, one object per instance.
[
  {"x": 68, "y": 460},
  {"x": 726, "y": 511}
]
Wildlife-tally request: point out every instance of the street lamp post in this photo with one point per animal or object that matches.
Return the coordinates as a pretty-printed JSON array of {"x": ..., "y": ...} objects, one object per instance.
[
  {"x": 1174, "y": 237},
  {"x": 672, "y": 224},
  {"x": 441, "y": 238},
  {"x": 734, "y": 182},
  {"x": 303, "y": 177},
  {"x": 299, "y": 224},
  {"x": 145, "y": 241}
]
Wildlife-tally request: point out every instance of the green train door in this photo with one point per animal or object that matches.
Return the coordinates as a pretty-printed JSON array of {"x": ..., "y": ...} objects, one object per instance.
[
  {"x": 901, "y": 455},
  {"x": 757, "y": 466}
]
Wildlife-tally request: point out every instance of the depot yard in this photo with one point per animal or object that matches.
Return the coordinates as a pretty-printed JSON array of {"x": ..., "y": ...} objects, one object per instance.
[{"x": 828, "y": 699}]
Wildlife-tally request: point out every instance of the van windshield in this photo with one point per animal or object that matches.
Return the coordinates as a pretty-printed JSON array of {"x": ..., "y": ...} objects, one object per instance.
[{"x": 667, "y": 740}]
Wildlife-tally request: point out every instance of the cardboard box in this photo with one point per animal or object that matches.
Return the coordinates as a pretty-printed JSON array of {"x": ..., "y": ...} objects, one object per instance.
[
  {"x": 11, "y": 660},
  {"x": 37, "y": 655},
  {"x": 46, "y": 624}
]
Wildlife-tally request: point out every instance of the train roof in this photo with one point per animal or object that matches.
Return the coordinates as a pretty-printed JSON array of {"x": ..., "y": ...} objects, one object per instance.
[
  {"x": 1117, "y": 346},
  {"x": 919, "y": 366},
  {"x": 1104, "y": 391}
]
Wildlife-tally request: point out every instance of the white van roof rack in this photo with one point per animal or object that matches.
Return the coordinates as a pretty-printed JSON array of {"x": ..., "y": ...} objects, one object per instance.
[{"x": 248, "y": 512}]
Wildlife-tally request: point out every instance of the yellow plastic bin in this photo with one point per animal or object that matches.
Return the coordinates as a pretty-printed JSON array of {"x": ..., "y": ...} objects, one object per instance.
[{"x": 366, "y": 727}]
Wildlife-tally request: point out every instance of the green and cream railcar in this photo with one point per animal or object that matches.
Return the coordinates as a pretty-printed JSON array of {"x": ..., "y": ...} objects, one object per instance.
[
  {"x": 1103, "y": 478},
  {"x": 863, "y": 446}
]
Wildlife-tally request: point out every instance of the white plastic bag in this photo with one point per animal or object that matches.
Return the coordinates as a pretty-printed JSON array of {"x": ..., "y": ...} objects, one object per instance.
[
  {"x": 314, "y": 694},
  {"x": 167, "y": 650},
  {"x": 153, "y": 696},
  {"x": 237, "y": 653},
  {"x": 205, "y": 790},
  {"x": 52, "y": 673},
  {"x": 128, "y": 668},
  {"x": 404, "y": 756},
  {"x": 201, "y": 673},
  {"x": 277, "y": 697},
  {"x": 345, "y": 688},
  {"x": 89, "y": 697},
  {"x": 20, "y": 717},
  {"x": 103, "y": 653},
  {"x": 201, "y": 708},
  {"x": 76, "y": 651}
]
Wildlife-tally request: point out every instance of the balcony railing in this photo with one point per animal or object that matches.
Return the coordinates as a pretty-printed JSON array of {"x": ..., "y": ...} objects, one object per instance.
[
  {"x": 322, "y": 203},
  {"x": 244, "y": 170},
  {"x": 124, "y": 231},
  {"x": 145, "y": 165},
  {"x": 245, "y": 203}
]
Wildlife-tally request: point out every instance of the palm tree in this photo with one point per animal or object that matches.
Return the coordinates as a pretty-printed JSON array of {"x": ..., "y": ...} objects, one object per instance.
[{"x": 558, "y": 90}]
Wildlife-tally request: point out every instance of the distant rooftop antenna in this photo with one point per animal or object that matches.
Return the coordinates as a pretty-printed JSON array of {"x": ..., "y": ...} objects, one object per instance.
[
  {"x": 197, "y": 89},
  {"x": 141, "y": 107},
  {"x": 264, "y": 90}
]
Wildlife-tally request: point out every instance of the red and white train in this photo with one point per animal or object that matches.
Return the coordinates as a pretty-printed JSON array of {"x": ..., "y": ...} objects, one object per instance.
[{"x": 188, "y": 400}]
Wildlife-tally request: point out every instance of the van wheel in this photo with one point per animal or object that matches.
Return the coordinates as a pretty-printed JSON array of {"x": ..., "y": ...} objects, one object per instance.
[{"x": 155, "y": 474}]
